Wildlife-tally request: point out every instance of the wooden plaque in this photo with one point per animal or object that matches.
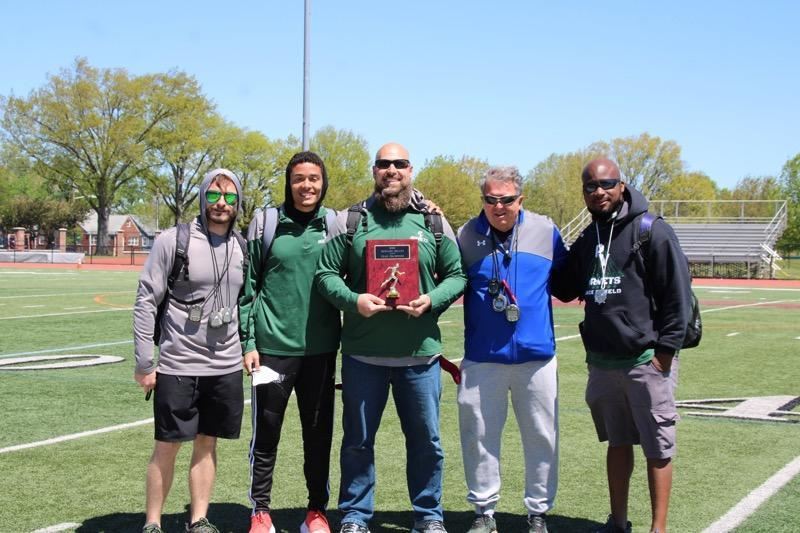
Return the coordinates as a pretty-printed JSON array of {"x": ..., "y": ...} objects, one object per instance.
[{"x": 393, "y": 270}]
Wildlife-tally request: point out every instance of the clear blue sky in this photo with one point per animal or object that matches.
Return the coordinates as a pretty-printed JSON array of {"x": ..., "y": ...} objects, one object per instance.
[{"x": 507, "y": 81}]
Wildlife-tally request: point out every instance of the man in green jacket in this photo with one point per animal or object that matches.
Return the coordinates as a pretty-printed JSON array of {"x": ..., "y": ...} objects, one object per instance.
[
  {"x": 290, "y": 336},
  {"x": 384, "y": 344}
]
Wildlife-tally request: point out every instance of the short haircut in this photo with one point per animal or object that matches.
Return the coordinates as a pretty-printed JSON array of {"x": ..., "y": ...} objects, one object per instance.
[
  {"x": 502, "y": 174},
  {"x": 305, "y": 157}
]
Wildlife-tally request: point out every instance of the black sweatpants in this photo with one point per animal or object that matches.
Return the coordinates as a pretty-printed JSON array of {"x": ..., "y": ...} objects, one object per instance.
[{"x": 312, "y": 379}]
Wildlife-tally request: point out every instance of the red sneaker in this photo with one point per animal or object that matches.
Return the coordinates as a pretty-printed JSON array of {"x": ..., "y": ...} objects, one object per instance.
[
  {"x": 261, "y": 522},
  {"x": 316, "y": 522}
]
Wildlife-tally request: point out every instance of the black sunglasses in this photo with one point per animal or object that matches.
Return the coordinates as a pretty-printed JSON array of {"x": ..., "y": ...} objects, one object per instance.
[
  {"x": 505, "y": 200},
  {"x": 590, "y": 186},
  {"x": 399, "y": 164}
]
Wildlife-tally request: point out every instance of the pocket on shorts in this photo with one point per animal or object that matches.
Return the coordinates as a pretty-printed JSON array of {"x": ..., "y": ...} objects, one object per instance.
[
  {"x": 663, "y": 443},
  {"x": 666, "y": 418}
]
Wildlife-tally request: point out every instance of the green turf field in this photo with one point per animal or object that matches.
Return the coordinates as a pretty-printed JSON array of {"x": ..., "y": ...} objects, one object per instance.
[{"x": 96, "y": 482}]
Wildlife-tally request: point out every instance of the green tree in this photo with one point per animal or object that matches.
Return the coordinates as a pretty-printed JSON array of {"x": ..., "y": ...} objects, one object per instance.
[
  {"x": 553, "y": 187},
  {"x": 645, "y": 161},
  {"x": 453, "y": 185},
  {"x": 765, "y": 188},
  {"x": 260, "y": 165},
  {"x": 88, "y": 129},
  {"x": 689, "y": 186},
  {"x": 347, "y": 162},
  {"x": 790, "y": 188},
  {"x": 185, "y": 145}
]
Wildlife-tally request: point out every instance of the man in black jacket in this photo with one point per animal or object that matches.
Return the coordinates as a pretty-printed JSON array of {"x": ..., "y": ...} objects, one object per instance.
[{"x": 637, "y": 306}]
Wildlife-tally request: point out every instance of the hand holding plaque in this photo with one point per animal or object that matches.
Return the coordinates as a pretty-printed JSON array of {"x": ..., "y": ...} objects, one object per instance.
[{"x": 393, "y": 270}]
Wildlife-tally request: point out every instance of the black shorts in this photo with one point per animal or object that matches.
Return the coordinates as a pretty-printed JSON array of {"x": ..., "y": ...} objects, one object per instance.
[{"x": 187, "y": 406}]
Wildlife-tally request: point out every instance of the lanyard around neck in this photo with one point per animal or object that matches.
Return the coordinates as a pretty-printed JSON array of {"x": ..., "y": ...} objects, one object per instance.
[{"x": 599, "y": 251}]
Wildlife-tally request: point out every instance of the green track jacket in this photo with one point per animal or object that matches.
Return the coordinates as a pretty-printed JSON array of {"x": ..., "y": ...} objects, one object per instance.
[
  {"x": 287, "y": 316},
  {"x": 390, "y": 333}
]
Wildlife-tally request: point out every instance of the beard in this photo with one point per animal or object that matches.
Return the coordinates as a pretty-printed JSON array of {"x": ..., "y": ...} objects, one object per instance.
[{"x": 394, "y": 202}]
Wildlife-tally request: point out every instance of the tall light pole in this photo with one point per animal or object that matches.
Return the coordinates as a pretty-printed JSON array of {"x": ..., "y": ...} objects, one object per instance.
[{"x": 306, "y": 72}]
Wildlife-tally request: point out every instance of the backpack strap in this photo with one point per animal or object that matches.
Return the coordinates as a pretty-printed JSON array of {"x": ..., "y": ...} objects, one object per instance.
[
  {"x": 434, "y": 223},
  {"x": 180, "y": 263},
  {"x": 355, "y": 214},
  {"x": 243, "y": 245},
  {"x": 271, "y": 216},
  {"x": 645, "y": 227}
]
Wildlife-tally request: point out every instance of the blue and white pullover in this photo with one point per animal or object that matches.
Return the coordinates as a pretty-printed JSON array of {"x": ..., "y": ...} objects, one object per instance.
[{"x": 531, "y": 253}]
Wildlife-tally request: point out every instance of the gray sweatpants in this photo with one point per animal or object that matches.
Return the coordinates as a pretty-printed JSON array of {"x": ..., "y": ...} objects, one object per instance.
[{"x": 483, "y": 406}]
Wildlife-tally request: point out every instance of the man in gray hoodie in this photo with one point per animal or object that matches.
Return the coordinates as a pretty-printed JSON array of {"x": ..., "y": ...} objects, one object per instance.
[{"x": 197, "y": 378}]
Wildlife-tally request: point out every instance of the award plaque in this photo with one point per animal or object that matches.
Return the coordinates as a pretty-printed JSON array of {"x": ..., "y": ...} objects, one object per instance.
[{"x": 393, "y": 270}]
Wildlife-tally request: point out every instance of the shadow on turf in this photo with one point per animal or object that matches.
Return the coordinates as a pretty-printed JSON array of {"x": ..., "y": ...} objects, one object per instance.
[{"x": 234, "y": 518}]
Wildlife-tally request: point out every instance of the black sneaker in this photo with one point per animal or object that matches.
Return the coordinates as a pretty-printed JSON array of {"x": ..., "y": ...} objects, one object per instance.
[
  {"x": 352, "y": 527},
  {"x": 611, "y": 527},
  {"x": 537, "y": 523},
  {"x": 483, "y": 523},
  {"x": 152, "y": 528},
  {"x": 429, "y": 526},
  {"x": 202, "y": 526}
]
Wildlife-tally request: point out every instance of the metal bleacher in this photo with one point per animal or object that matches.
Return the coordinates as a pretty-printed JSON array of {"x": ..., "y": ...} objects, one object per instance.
[{"x": 721, "y": 238}]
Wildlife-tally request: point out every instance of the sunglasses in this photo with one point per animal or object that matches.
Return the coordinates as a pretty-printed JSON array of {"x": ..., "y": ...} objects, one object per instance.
[
  {"x": 213, "y": 197},
  {"x": 590, "y": 186},
  {"x": 399, "y": 164},
  {"x": 505, "y": 200}
]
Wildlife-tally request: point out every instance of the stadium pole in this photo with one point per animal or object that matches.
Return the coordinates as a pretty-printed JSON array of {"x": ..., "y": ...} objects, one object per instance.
[{"x": 306, "y": 72}]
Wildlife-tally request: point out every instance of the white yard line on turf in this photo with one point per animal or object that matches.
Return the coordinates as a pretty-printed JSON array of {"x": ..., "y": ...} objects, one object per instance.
[
  {"x": 743, "y": 305},
  {"x": 74, "y": 436},
  {"x": 66, "y": 349},
  {"x": 66, "y": 526},
  {"x": 748, "y": 505},
  {"x": 70, "y": 313},
  {"x": 736, "y": 289},
  {"x": 60, "y": 294}
]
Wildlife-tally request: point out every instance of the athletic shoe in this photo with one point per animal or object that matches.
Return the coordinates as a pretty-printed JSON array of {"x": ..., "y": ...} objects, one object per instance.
[
  {"x": 429, "y": 526},
  {"x": 352, "y": 527},
  {"x": 315, "y": 522},
  {"x": 483, "y": 523},
  {"x": 261, "y": 522},
  {"x": 611, "y": 527},
  {"x": 152, "y": 528},
  {"x": 202, "y": 526},
  {"x": 537, "y": 524}
]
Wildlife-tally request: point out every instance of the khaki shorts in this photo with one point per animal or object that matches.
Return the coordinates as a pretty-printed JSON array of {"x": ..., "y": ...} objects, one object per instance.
[{"x": 635, "y": 406}]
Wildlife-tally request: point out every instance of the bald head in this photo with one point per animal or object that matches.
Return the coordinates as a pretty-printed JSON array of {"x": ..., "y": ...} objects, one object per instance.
[
  {"x": 601, "y": 168},
  {"x": 392, "y": 151}
]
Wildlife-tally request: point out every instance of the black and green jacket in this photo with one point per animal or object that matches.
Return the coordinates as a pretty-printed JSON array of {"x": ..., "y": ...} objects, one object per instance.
[{"x": 389, "y": 333}]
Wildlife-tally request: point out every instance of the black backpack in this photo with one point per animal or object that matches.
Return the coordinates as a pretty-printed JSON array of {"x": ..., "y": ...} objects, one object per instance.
[
  {"x": 694, "y": 329},
  {"x": 180, "y": 267}
]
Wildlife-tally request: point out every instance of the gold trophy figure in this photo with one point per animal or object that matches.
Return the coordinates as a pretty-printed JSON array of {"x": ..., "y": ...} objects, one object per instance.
[{"x": 393, "y": 280}]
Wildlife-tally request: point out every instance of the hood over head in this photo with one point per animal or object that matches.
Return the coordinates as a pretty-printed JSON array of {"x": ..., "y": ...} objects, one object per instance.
[
  {"x": 304, "y": 157},
  {"x": 209, "y": 177}
]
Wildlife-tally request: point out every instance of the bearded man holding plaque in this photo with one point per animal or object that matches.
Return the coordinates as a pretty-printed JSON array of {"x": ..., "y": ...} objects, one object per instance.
[
  {"x": 392, "y": 280},
  {"x": 509, "y": 348}
]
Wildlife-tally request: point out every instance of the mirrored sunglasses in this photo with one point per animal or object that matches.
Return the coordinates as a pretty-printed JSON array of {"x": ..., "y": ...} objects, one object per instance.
[{"x": 213, "y": 197}]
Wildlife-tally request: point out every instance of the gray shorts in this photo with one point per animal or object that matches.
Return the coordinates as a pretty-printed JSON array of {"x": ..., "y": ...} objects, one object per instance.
[{"x": 635, "y": 406}]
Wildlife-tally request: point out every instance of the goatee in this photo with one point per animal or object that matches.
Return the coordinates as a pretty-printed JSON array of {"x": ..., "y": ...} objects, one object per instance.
[{"x": 394, "y": 202}]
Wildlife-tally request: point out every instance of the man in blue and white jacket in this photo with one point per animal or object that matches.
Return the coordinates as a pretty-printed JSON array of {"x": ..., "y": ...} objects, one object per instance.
[{"x": 509, "y": 345}]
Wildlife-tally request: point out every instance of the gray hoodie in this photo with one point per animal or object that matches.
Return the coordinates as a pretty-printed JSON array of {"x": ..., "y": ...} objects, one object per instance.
[{"x": 191, "y": 348}]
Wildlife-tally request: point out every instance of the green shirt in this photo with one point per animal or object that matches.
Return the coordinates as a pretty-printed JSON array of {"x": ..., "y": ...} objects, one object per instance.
[{"x": 390, "y": 333}]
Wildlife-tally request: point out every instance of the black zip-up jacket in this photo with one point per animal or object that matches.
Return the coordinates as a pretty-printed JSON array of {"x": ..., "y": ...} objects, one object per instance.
[{"x": 647, "y": 294}]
